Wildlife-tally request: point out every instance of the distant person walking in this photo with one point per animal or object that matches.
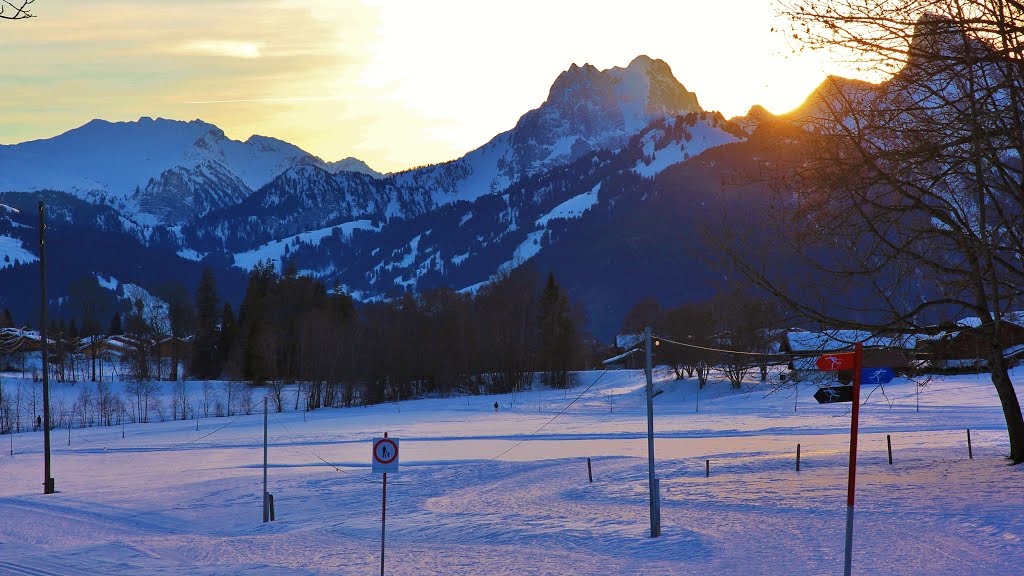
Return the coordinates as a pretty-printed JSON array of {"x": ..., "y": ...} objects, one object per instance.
[
  {"x": 39, "y": 422},
  {"x": 495, "y": 406}
]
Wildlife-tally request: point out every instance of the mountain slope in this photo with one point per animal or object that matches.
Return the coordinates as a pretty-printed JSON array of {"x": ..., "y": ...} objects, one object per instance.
[
  {"x": 586, "y": 110},
  {"x": 167, "y": 169},
  {"x": 580, "y": 166}
]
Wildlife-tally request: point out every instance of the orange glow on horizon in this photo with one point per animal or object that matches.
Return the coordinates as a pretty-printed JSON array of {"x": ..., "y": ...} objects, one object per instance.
[{"x": 396, "y": 84}]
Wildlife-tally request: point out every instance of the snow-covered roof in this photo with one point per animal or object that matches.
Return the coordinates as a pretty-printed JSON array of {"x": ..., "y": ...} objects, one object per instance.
[
  {"x": 844, "y": 339},
  {"x": 626, "y": 341},
  {"x": 1016, "y": 317},
  {"x": 33, "y": 335},
  {"x": 1013, "y": 351},
  {"x": 619, "y": 358}
]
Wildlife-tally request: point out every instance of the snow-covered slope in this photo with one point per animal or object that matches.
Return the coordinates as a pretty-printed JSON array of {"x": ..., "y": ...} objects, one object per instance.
[
  {"x": 507, "y": 492},
  {"x": 586, "y": 110},
  {"x": 13, "y": 252},
  {"x": 170, "y": 169},
  {"x": 192, "y": 191},
  {"x": 115, "y": 158}
]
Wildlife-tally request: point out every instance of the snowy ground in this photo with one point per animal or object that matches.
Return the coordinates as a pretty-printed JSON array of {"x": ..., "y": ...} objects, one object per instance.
[{"x": 477, "y": 495}]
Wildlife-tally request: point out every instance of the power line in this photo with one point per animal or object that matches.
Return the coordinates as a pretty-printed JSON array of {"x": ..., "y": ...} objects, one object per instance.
[
  {"x": 560, "y": 412},
  {"x": 210, "y": 433},
  {"x": 308, "y": 449},
  {"x": 168, "y": 447},
  {"x": 780, "y": 356}
]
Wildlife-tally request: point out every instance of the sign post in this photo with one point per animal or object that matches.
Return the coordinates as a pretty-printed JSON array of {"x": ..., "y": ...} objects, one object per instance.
[
  {"x": 849, "y": 361},
  {"x": 385, "y": 459},
  {"x": 851, "y": 487},
  {"x": 651, "y": 479}
]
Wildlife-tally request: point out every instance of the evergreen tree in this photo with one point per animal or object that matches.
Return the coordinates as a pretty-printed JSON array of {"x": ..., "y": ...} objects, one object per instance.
[
  {"x": 181, "y": 317},
  {"x": 228, "y": 335},
  {"x": 207, "y": 357},
  {"x": 254, "y": 319},
  {"x": 115, "y": 325},
  {"x": 558, "y": 334},
  {"x": 137, "y": 327}
]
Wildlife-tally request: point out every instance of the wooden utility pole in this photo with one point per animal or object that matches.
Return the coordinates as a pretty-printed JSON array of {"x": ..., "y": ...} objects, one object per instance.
[
  {"x": 48, "y": 483},
  {"x": 266, "y": 501},
  {"x": 652, "y": 481}
]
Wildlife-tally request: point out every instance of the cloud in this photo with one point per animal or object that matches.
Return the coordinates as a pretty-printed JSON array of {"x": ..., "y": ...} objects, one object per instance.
[{"x": 228, "y": 48}]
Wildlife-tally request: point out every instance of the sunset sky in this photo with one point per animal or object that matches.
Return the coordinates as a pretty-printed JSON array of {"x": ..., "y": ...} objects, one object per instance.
[{"x": 395, "y": 83}]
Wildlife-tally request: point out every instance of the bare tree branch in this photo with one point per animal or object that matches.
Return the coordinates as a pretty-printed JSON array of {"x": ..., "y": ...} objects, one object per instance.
[
  {"x": 16, "y": 10},
  {"x": 907, "y": 193}
]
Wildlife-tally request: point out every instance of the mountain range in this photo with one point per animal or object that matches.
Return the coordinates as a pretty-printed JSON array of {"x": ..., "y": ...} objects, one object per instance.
[{"x": 611, "y": 183}]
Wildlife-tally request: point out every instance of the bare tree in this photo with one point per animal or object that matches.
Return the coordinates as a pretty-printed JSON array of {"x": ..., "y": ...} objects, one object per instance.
[
  {"x": 909, "y": 192},
  {"x": 275, "y": 389},
  {"x": 232, "y": 389},
  {"x": 180, "y": 399},
  {"x": 209, "y": 398},
  {"x": 691, "y": 324},
  {"x": 15, "y": 9}
]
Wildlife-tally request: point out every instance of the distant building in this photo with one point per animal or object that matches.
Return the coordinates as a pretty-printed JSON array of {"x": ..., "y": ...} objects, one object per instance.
[
  {"x": 963, "y": 346},
  {"x": 894, "y": 351}
]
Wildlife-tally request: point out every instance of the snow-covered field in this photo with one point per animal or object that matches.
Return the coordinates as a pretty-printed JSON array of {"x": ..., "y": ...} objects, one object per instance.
[{"x": 477, "y": 494}]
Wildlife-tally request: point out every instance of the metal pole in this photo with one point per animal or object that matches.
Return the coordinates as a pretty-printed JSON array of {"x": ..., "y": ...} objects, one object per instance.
[
  {"x": 383, "y": 516},
  {"x": 851, "y": 486},
  {"x": 888, "y": 444},
  {"x": 655, "y": 510},
  {"x": 48, "y": 483},
  {"x": 266, "y": 504},
  {"x": 590, "y": 472},
  {"x": 970, "y": 451},
  {"x": 798, "y": 457}
]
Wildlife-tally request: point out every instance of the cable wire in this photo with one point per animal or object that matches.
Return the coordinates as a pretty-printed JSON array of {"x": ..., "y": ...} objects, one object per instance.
[{"x": 310, "y": 450}]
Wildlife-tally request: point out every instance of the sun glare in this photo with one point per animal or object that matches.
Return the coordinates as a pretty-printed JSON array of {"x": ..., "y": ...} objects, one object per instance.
[{"x": 397, "y": 84}]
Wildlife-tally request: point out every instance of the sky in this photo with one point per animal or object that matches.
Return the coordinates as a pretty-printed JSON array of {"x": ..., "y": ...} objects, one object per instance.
[{"x": 395, "y": 83}]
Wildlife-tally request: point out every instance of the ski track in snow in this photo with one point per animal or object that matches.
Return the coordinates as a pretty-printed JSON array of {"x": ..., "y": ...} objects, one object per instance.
[{"x": 165, "y": 500}]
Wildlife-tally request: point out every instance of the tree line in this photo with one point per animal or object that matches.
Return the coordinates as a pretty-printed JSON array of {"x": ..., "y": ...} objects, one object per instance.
[
  {"x": 737, "y": 320},
  {"x": 515, "y": 331},
  {"x": 290, "y": 328}
]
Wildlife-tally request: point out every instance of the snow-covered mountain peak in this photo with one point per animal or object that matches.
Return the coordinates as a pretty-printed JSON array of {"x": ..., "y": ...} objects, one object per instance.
[
  {"x": 116, "y": 160},
  {"x": 269, "y": 144},
  {"x": 351, "y": 164},
  {"x": 650, "y": 81},
  {"x": 643, "y": 89},
  {"x": 939, "y": 43},
  {"x": 587, "y": 109}
]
